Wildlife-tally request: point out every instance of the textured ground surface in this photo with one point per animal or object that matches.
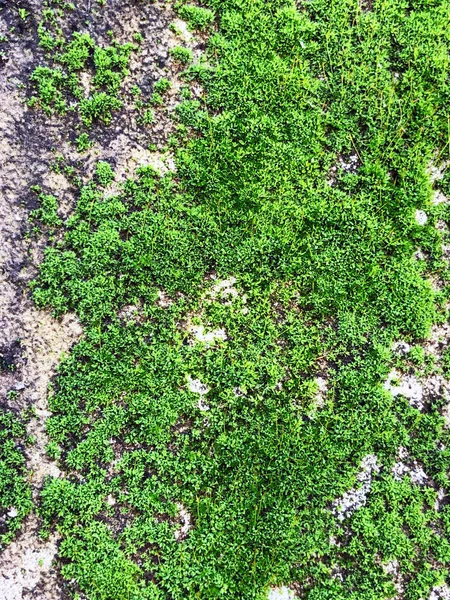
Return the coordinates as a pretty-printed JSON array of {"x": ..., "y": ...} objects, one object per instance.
[
  {"x": 262, "y": 410},
  {"x": 31, "y": 340}
]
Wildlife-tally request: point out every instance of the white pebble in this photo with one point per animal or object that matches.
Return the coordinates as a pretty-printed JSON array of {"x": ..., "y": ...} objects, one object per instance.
[{"x": 421, "y": 217}]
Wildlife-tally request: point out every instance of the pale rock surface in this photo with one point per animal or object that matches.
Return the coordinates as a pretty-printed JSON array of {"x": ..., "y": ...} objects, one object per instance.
[
  {"x": 281, "y": 593},
  {"x": 355, "y": 498}
]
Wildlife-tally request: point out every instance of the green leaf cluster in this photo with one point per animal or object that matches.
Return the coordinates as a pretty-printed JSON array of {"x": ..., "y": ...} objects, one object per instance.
[{"x": 59, "y": 88}]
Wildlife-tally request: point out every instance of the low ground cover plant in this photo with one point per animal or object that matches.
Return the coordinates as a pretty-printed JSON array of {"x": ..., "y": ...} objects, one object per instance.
[
  {"x": 58, "y": 88},
  {"x": 211, "y": 466}
]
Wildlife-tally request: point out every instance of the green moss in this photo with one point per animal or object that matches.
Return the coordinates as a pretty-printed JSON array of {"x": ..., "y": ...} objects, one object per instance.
[
  {"x": 57, "y": 88},
  {"x": 162, "y": 85},
  {"x": 417, "y": 355},
  {"x": 100, "y": 568},
  {"x": 111, "y": 66},
  {"x": 15, "y": 493},
  {"x": 197, "y": 17},
  {"x": 444, "y": 184},
  {"x": 446, "y": 362},
  {"x": 98, "y": 107},
  {"x": 47, "y": 213},
  {"x": 77, "y": 52},
  {"x": 157, "y": 99},
  {"x": 48, "y": 84},
  {"x": 148, "y": 117},
  {"x": 181, "y": 54},
  {"x": 104, "y": 173},
  {"x": 297, "y": 182},
  {"x": 83, "y": 142}
]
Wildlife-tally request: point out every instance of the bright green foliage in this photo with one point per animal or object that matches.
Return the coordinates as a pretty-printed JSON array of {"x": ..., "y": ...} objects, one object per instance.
[
  {"x": 15, "y": 493},
  {"x": 48, "y": 84},
  {"x": 100, "y": 567},
  {"x": 162, "y": 85},
  {"x": 47, "y": 41},
  {"x": 157, "y": 99},
  {"x": 308, "y": 265},
  {"x": 447, "y": 362},
  {"x": 417, "y": 355},
  {"x": 56, "y": 88},
  {"x": 83, "y": 142},
  {"x": 396, "y": 523},
  {"x": 181, "y": 54},
  {"x": 47, "y": 213},
  {"x": 98, "y": 107},
  {"x": 197, "y": 17},
  {"x": 111, "y": 65},
  {"x": 50, "y": 34},
  {"x": 104, "y": 173},
  {"x": 23, "y": 14},
  {"x": 159, "y": 89},
  {"x": 445, "y": 183},
  {"x": 77, "y": 52},
  {"x": 148, "y": 117}
]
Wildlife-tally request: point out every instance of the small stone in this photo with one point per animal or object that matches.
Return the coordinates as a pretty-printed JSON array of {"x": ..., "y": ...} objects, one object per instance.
[
  {"x": 419, "y": 255},
  {"x": 421, "y": 217},
  {"x": 408, "y": 467},
  {"x": 208, "y": 337},
  {"x": 407, "y": 386},
  {"x": 201, "y": 404},
  {"x": 440, "y": 593},
  {"x": 401, "y": 348},
  {"x": 355, "y": 498}
]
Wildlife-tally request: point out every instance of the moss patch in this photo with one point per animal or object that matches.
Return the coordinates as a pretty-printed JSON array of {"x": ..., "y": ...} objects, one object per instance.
[{"x": 299, "y": 183}]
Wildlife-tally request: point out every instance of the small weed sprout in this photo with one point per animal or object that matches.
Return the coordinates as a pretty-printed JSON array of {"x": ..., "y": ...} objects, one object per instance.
[
  {"x": 156, "y": 99},
  {"x": 148, "y": 117},
  {"x": 23, "y": 14},
  {"x": 47, "y": 213},
  {"x": 99, "y": 107}
]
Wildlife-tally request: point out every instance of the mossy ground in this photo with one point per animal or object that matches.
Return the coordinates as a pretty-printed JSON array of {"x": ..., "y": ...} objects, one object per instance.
[
  {"x": 290, "y": 227},
  {"x": 15, "y": 492}
]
